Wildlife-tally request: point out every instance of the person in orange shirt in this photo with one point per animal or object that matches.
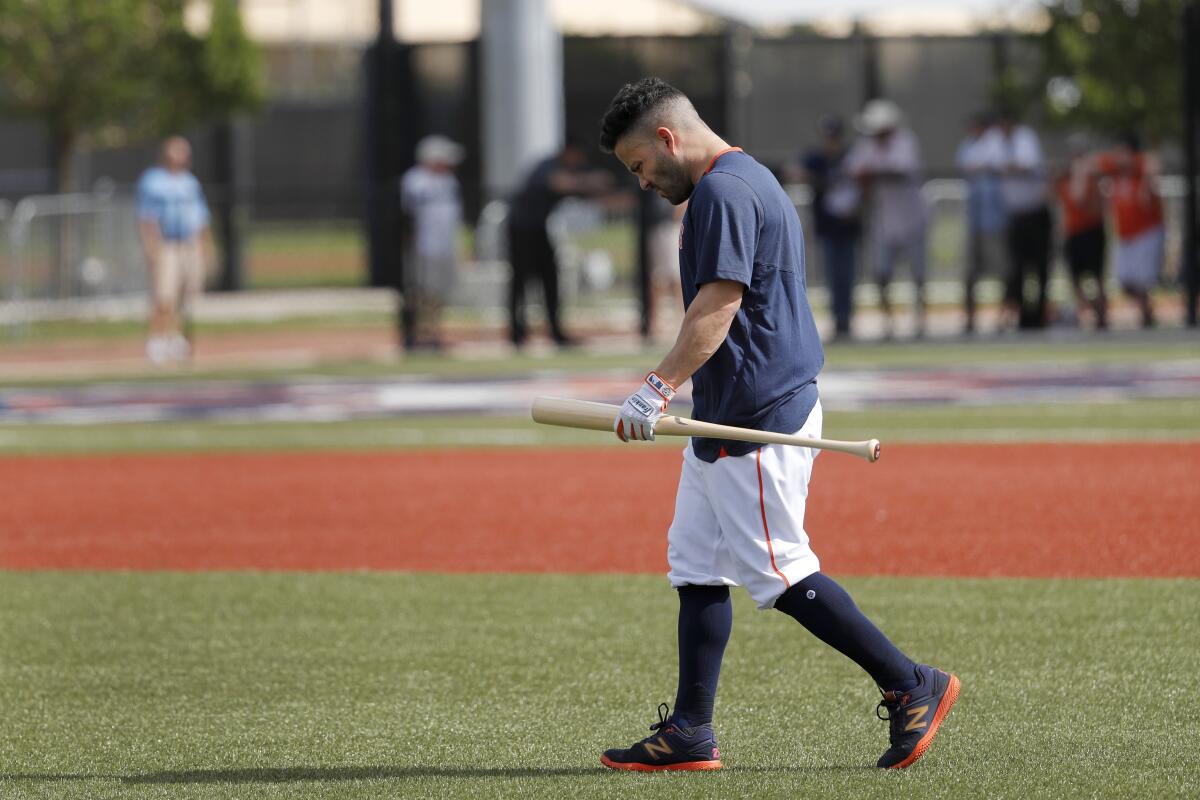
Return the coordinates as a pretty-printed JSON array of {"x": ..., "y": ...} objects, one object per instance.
[
  {"x": 1077, "y": 189},
  {"x": 1137, "y": 214}
]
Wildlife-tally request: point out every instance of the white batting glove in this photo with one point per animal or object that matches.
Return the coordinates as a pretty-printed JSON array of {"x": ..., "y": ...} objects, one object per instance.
[{"x": 642, "y": 409}]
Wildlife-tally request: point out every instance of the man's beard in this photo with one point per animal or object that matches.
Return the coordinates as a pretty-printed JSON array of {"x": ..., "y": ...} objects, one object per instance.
[{"x": 676, "y": 185}]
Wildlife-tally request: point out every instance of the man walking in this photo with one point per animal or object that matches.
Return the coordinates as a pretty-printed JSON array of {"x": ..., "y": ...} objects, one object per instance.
[
  {"x": 173, "y": 224},
  {"x": 749, "y": 343}
]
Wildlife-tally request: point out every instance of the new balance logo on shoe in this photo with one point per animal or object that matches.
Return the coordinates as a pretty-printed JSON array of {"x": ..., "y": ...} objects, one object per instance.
[
  {"x": 658, "y": 748},
  {"x": 916, "y": 718}
]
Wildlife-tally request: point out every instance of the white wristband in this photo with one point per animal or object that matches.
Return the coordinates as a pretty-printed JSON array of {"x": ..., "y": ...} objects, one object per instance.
[{"x": 662, "y": 387}]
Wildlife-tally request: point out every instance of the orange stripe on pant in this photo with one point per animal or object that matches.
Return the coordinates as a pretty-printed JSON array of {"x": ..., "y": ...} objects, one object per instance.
[{"x": 762, "y": 505}]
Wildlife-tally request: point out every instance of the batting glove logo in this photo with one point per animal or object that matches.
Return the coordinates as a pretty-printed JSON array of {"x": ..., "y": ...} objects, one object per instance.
[{"x": 642, "y": 405}]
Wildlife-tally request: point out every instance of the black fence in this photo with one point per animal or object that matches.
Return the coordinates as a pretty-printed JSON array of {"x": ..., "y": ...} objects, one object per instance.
[
  {"x": 321, "y": 157},
  {"x": 307, "y": 158}
]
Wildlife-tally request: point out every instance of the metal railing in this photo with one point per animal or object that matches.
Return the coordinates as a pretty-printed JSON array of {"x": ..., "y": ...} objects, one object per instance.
[
  {"x": 58, "y": 250},
  {"x": 68, "y": 247}
]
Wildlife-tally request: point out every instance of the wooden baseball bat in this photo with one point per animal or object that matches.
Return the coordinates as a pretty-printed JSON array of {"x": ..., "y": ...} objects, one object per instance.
[{"x": 600, "y": 417}]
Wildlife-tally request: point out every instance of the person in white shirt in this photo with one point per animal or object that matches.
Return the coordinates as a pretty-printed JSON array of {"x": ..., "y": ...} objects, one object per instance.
[
  {"x": 1024, "y": 188},
  {"x": 430, "y": 198},
  {"x": 887, "y": 163}
]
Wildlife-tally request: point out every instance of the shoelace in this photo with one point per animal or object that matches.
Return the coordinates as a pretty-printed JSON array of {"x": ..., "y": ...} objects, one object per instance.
[
  {"x": 663, "y": 715},
  {"x": 893, "y": 718}
]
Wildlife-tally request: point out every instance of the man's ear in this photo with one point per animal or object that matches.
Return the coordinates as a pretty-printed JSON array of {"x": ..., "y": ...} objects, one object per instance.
[{"x": 667, "y": 137}]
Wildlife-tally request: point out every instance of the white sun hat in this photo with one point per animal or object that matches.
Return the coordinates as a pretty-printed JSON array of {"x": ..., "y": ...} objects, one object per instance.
[
  {"x": 438, "y": 149},
  {"x": 878, "y": 116}
]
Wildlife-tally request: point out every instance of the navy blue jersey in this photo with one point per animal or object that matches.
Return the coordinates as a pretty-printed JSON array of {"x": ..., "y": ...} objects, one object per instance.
[{"x": 741, "y": 226}]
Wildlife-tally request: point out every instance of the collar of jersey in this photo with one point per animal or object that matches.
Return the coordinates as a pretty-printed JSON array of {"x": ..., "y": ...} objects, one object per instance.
[{"x": 713, "y": 163}]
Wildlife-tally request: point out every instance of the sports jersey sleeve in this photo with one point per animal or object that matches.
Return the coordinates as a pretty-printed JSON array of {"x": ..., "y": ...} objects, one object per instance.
[
  {"x": 147, "y": 207},
  {"x": 726, "y": 219},
  {"x": 1027, "y": 152},
  {"x": 904, "y": 155}
]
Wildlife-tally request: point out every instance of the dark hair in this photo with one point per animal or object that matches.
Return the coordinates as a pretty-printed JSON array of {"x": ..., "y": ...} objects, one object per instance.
[
  {"x": 630, "y": 104},
  {"x": 982, "y": 118},
  {"x": 1131, "y": 140},
  {"x": 830, "y": 125}
]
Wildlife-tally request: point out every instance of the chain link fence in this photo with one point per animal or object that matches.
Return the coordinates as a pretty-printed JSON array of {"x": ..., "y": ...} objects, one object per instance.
[
  {"x": 68, "y": 255},
  {"x": 61, "y": 249}
]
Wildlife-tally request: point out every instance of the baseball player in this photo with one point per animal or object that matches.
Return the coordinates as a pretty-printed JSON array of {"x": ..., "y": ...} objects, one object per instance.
[
  {"x": 173, "y": 224},
  {"x": 750, "y": 346}
]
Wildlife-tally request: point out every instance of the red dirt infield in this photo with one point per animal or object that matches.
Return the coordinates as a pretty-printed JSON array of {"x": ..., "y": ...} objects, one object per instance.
[{"x": 1078, "y": 510}]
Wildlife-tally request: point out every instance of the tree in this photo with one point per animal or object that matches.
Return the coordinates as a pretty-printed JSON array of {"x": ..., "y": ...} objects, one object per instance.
[
  {"x": 1114, "y": 65},
  {"x": 119, "y": 71}
]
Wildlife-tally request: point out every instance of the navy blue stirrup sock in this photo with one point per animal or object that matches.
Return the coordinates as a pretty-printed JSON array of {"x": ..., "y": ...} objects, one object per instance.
[
  {"x": 821, "y": 605},
  {"x": 705, "y": 621}
]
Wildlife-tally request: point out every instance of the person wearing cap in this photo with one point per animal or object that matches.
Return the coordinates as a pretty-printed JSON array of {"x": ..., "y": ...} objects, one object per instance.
[
  {"x": 835, "y": 210},
  {"x": 887, "y": 163},
  {"x": 430, "y": 198},
  {"x": 979, "y": 160}
]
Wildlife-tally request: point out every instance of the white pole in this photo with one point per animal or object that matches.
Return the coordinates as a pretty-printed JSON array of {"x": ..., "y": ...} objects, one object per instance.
[{"x": 522, "y": 94}]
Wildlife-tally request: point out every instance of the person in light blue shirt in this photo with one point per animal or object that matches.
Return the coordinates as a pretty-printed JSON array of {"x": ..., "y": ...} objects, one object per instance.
[
  {"x": 173, "y": 221},
  {"x": 980, "y": 160}
]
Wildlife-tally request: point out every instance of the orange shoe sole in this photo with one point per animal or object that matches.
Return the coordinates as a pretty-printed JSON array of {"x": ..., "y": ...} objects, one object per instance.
[
  {"x": 942, "y": 710},
  {"x": 685, "y": 766}
]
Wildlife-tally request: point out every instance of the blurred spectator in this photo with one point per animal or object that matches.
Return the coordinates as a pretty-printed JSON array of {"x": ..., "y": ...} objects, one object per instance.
[
  {"x": 835, "y": 206},
  {"x": 1137, "y": 212},
  {"x": 173, "y": 223},
  {"x": 663, "y": 250},
  {"x": 1078, "y": 191},
  {"x": 1023, "y": 184},
  {"x": 979, "y": 159},
  {"x": 431, "y": 200},
  {"x": 530, "y": 250},
  {"x": 887, "y": 163}
]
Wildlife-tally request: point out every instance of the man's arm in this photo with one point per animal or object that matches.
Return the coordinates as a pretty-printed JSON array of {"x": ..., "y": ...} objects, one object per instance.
[
  {"x": 705, "y": 326},
  {"x": 151, "y": 238}
]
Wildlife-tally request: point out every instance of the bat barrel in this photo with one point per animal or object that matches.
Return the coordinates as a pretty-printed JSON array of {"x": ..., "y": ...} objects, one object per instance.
[{"x": 574, "y": 413}]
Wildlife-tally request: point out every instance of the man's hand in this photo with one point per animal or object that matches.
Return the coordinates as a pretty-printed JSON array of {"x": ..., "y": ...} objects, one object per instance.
[{"x": 642, "y": 409}]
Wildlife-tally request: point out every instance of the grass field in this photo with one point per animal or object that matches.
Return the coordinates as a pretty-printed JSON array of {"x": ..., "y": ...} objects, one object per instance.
[
  {"x": 362, "y": 685},
  {"x": 404, "y": 685},
  {"x": 1145, "y": 420},
  {"x": 1132, "y": 348}
]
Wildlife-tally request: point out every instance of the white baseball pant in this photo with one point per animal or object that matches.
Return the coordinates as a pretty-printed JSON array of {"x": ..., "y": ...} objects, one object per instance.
[{"x": 739, "y": 521}]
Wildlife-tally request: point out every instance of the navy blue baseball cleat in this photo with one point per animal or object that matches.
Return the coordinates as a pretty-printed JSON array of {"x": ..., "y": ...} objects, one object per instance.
[
  {"x": 915, "y": 716},
  {"x": 670, "y": 748}
]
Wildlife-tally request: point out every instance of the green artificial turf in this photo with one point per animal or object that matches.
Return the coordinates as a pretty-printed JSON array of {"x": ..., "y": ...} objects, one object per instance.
[
  {"x": 1080, "y": 348},
  {"x": 206, "y": 685},
  {"x": 1144, "y": 420}
]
